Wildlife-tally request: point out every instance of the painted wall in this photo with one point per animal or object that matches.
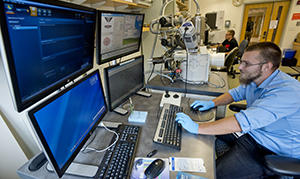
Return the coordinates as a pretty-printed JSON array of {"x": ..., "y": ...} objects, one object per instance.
[{"x": 12, "y": 157}]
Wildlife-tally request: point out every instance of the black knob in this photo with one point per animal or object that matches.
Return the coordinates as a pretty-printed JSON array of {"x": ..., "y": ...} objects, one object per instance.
[
  {"x": 175, "y": 96},
  {"x": 167, "y": 95}
]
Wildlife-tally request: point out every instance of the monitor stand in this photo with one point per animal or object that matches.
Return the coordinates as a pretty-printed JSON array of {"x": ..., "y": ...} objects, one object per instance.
[
  {"x": 74, "y": 169},
  {"x": 78, "y": 169},
  {"x": 37, "y": 162}
]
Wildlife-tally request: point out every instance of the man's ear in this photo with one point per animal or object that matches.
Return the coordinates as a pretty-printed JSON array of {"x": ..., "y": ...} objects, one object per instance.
[{"x": 268, "y": 66}]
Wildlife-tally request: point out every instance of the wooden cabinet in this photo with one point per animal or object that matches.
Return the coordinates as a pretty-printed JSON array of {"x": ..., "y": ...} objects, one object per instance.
[
  {"x": 296, "y": 46},
  {"x": 117, "y": 4}
]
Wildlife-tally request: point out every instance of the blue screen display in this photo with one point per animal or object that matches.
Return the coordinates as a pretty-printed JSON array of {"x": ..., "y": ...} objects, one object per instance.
[
  {"x": 66, "y": 121},
  {"x": 48, "y": 44}
]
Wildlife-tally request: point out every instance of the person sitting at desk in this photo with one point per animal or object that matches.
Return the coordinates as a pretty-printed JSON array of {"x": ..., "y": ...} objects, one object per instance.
[
  {"x": 270, "y": 124},
  {"x": 229, "y": 43}
]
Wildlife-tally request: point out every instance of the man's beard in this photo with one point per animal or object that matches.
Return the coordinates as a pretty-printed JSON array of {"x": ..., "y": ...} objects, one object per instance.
[{"x": 246, "y": 77}]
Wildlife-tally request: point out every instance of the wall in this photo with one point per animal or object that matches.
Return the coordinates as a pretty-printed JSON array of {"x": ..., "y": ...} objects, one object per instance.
[
  {"x": 290, "y": 30},
  {"x": 12, "y": 157}
]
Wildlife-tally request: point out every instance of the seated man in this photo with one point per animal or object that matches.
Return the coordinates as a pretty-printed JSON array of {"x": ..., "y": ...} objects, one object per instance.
[
  {"x": 270, "y": 124},
  {"x": 229, "y": 43}
]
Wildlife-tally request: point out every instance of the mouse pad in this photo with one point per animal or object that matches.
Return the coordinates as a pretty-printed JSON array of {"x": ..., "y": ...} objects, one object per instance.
[
  {"x": 199, "y": 116},
  {"x": 140, "y": 165}
]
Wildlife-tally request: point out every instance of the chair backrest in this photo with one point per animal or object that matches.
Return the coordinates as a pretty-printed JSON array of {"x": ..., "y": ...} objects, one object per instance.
[
  {"x": 229, "y": 59},
  {"x": 242, "y": 48}
]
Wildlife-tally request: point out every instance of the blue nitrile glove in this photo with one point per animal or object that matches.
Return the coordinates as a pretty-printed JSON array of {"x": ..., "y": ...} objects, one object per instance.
[
  {"x": 187, "y": 123},
  {"x": 205, "y": 105}
]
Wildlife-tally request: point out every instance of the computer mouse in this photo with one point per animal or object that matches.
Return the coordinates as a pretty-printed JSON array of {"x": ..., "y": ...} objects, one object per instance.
[
  {"x": 196, "y": 109},
  {"x": 155, "y": 168}
]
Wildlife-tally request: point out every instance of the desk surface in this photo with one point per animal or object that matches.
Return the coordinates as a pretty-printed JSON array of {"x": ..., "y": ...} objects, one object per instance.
[
  {"x": 297, "y": 68},
  {"x": 193, "y": 146},
  {"x": 200, "y": 89}
]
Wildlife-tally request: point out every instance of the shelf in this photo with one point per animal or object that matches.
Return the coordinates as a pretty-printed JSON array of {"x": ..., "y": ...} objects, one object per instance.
[
  {"x": 116, "y": 3},
  {"x": 146, "y": 29}
]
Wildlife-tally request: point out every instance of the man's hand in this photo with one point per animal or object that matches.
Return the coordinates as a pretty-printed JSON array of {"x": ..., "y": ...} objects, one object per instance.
[
  {"x": 204, "y": 105},
  {"x": 187, "y": 123}
]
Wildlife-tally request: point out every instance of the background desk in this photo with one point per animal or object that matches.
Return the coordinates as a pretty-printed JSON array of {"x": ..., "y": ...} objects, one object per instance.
[{"x": 193, "y": 146}]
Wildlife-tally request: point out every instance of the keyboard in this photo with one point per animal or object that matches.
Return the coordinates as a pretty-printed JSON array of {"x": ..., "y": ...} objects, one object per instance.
[
  {"x": 118, "y": 160},
  {"x": 168, "y": 131}
]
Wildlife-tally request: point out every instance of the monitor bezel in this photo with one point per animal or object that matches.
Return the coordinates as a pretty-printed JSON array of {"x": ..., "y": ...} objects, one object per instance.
[
  {"x": 41, "y": 138},
  {"x": 106, "y": 82},
  {"x": 9, "y": 64},
  {"x": 98, "y": 50}
]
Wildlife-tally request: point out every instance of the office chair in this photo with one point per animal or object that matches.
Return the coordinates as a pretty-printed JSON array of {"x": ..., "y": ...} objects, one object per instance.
[
  {"x": 240, "y": 53},
  {"x": 279, "y": 165},
  {"x": 228, "y": 62}
]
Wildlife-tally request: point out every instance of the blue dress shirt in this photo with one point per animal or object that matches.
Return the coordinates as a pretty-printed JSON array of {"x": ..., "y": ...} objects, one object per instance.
[{"x": 272, "y": 116}]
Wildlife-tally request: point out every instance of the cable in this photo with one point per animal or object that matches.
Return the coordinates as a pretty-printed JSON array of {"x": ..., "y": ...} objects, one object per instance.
[
  {"x": 222, "y": 81},
  {"x": 187, "y": 63},
  {"x": 164, "y": 76},
  {"x": 102, "y": 150},
  {"x": 153, "y": 65}
]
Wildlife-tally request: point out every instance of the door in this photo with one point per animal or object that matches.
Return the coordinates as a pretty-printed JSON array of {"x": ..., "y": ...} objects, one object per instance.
[
  {"x": 280, "y": 10},
  {"x": 264, "y": 10},
  {"x": 269, "y": 21}
]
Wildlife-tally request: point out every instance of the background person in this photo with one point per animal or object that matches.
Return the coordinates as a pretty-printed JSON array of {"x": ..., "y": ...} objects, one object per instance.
[
  {"x": 229, "y": 43},
  {"x": 249, "y": 29}
]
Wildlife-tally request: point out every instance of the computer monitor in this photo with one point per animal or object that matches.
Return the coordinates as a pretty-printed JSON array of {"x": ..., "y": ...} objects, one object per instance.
[
  {"x": 123, "y": 80},
  {"x": 211, "y": 19},
  {"x": 63, "y": 123},
  {"x": 46, "y": 44},
  {"x": 119, "y": 34}
]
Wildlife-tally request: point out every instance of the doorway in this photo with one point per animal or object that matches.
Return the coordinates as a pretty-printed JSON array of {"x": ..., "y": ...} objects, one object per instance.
[{"x": 268, "y": 21}]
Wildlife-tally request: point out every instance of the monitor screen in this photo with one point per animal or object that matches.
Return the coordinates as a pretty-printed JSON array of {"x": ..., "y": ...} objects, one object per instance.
[
  {"x": 211, "y": 19},
  {"x": 64, "y": 122},
  {"x": 119, "y": 34},
  {"x": 123, "y": 80},
  {"x": 46, "y": 45}
]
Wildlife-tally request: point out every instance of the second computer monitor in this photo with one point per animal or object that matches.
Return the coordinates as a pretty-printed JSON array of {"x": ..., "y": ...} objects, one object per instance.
[
  {"x": 119, "y": 34},
  {"x": 64, "y": 122},
  {"x": 123, "y": 80}
]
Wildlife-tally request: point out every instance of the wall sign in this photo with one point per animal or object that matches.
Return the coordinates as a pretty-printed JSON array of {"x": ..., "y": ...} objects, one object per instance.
[{"x": 296, "y": 16}]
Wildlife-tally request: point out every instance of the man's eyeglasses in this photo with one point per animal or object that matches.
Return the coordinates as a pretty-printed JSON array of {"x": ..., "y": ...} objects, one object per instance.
[
  {"x": 227, "y": 34},
  {"x": 246, "y": 64}
]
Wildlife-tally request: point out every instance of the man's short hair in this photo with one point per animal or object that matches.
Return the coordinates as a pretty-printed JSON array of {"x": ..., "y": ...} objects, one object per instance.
[
  {"x": 232, "y": 32},
  {"x": 268, "y": 51}
]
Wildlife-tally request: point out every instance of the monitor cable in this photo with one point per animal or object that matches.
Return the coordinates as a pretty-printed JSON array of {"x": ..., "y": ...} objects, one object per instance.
[
  {"x": 90, "y": 149},
  {"x": 187, "y": 63}
]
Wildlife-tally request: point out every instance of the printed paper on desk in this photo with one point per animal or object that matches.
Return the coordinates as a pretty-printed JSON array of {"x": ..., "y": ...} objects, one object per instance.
[
  {"x": 182, "y": 175},
  {"x": 187, "y": 164}
]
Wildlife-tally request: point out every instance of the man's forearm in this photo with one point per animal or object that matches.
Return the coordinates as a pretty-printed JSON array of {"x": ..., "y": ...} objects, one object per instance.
[
  {"x": 224, "y": 99},
  {"x": 223, "y": 126}
]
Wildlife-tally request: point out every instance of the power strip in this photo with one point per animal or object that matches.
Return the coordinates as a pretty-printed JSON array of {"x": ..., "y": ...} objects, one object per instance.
[{"x": 171, "y": 98}]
